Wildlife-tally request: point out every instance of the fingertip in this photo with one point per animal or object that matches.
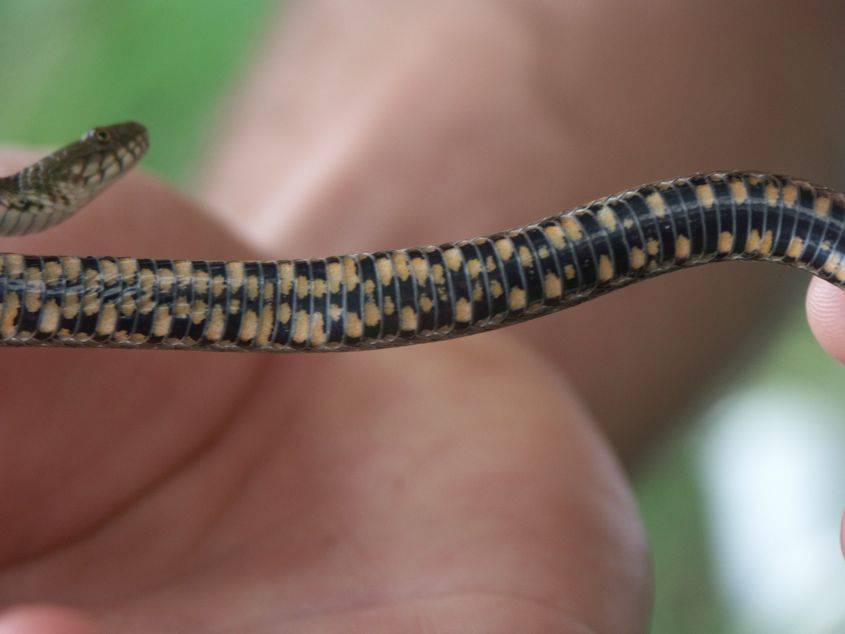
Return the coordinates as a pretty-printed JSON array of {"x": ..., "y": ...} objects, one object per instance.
[
  {"x": 826, "y": 315},
  {"x": 43, "y": 619}
]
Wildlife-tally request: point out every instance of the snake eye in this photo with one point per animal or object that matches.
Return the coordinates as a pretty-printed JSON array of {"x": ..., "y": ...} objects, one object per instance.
[{"x": 102, "y": 136}]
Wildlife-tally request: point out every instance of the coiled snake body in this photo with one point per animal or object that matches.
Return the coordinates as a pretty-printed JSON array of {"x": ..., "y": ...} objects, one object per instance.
[{"x": 390, "y": 298}]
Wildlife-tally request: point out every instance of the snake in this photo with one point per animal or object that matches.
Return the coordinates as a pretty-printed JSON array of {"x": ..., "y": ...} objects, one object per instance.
[{"x": 388, "y": 298}]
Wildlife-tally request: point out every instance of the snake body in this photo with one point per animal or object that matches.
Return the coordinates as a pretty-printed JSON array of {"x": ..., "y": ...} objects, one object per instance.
[{"x": 390, "y": 298}]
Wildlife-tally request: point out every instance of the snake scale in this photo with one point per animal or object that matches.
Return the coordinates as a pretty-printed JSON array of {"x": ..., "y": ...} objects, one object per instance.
[{"x": 391, "y": 298}]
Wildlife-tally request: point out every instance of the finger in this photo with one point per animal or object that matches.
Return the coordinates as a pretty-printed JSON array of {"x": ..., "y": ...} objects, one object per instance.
[
  {"x": 83, "y": 430},
  {"x": 826, "y": 314}
]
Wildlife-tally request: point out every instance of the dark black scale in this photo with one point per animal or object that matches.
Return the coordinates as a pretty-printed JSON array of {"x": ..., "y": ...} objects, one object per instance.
[
  {"x": 270, "y": 275},
  {"x": 806, "y": 202},
  {"x": 814, "y": 239},
  {"x": 162, "y": 297},
  {"x": 445, "y": 318},
  {"x": 254, "y": 304},
  {"x": 407, "y": 295},
  {"x": 353, "y": 302},
  {"x": 282, "y": 331},
  {"x": 514, "y": 275},
  {"x": 789, "y": 219},
  {"x": 487, "y": 252},
  {"x": 711, "y": 220},
  {"x": 368, "y": 273},
  {"x": 532, "y": 274},
  {"x": 335, "y": 327},
  {"x": 480, "y": 306},
  {"x": 183, "y": 292},
  {"x": 27, "y": 320},
  {"x": 839, "y": 248},
  {"x": 319, "y": 305},
  {"x": 758, "y": 207},
  {"x": 586, "y": 264},
  {"x": 196, "y": 331},
  {"x": 427, "y": 321},
  {"x": 215, "y": 269},
  {"x": 389, "y": 293},
  {"x": 301, "y": 269},
  {"x": 616, "y": 238},
  {"x": 837, "y": 208},
  {"x": 774, "y": 217},
  {"x": 677, "y": 212},
  {"x": 726, "y": 212},
  {"x": 597, "y": 235},
  {"x": 235, "y": 299},
  {"x": 548, "y": 264},
  {"x": 632, "y": 236},
  {"x": 648, "y": 225},
  {"x": 130, "y": 289},
  {"x": 144, "y": 322},
  {"x": 54, "y": 291},
  {"x": 695, "y": 217},
  {"x": 88, "y": 323},
  {"x": 742, "y": 213},
  {"x": 458, "y": 283},
  {"x": 831, "y": 235},
  {"x": 111, "y": 293},
  {"x": 72, "y": 287}
]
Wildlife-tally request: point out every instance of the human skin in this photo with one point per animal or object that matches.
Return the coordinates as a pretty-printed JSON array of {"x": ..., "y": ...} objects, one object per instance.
[{"x": 466, "y": 486}]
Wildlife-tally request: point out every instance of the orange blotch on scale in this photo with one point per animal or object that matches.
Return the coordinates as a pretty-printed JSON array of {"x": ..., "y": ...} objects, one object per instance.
[
  {"x": 474, "y": 267},
  {"x": 637, "y": 258},
  {"x": 705, "y": 195},
  {"x": 300, "y": 328},
  {"x": 318, "y": 331},
  {"x": 286, "y": 277},
  {"x": 335, "y": 312},
  {"x": 385, "y": 271},
  {"x": 790, "y": 195},
  {"x": 408, "y": 319},
  {"x": 218, "y": 284},
  {"x": 525, "y": 257},
  {"x": 372, "y": 317},
  {"x": 181, "y": 308},
  {"x": 766, "y": 244},
  {"x": 572, "y": 228},
  {"x": 90, "y": 304},
  {"x": 235, "y": 273},
  {"x": 354, "y": 328},
  {"x": 109, "y": 271},
  {"x": 34, "y": 287},
  {"x": 183, "y": 270},
  {"x": 52, "y": 272},
  {"x": 49, "y": 317},
  {"x": 496, "y": 289},
  {"x": 552, "y": 286},
  {"x": 453, "y": 258},
  {"x": 128, "y": 269},
  {"x": 739, "y": 193},
  {"x": 772, "y": 193},
  {"x": 504, "y": 248},
  {"x": 400, "y": 262},
  {"x": 516, "y": 299},
  {"x": 284, "y": 314},
  {"x": 252, "y": 287},
  {"x": 822, "y": 206},
  {"x": 477, "y": 292},
  {"x": 10, "y": 312},
  {"x": 555, "y": 236},
  {"x": 656, "y": 204},
  {"x": 795, "y": 248},
  {"x": 350, "y": 273},
  {"x": 607, "y": 218},
  {"x": 420, "y": 266},
  {"x": 319, "y": 287},
  {"x": 426, "y": 304},
  {"x": 438, "y": 274},
  {"x": 301, "y": 287},
  {"x": 463, "y": 310},
  {"x": 265, "y": 327},
  {"x": 726, "y": 241},
  {"x": 71, "y": 306},
  {"x": 162, "y": 321},
  {"x": 389, "y": 306},
  {"x": 216, "y": 325},
  {"x": 569, "y": 272},
  {"x": 166, "y": 280},
  {"x": 652, "y": 246},
  {"x": 334, "y": 273},
  {"x": 605, "y": 269},
  {"x": 682, "y": 247},
  {"x": 832, "y": 263},
  {"x": 201, "y": 282},
  {"x": 234, "y": 306}
]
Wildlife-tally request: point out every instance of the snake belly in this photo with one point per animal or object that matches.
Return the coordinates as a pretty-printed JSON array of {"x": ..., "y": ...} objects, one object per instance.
[{"x": 397, "y": 297}]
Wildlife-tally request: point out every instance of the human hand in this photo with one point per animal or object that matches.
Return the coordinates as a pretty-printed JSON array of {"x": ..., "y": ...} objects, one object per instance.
[{"x": 454, "y": 486}]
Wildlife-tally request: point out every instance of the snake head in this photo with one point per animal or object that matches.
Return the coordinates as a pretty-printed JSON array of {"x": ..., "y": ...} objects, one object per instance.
[{"x": 82, "y": 169}]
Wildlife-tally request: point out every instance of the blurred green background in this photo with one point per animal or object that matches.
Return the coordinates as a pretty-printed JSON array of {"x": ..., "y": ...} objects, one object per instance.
[{"x": 70, "y": 65}]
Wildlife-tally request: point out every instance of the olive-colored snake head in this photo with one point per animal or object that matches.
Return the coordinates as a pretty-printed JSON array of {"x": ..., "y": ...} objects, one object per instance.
[{"x": 49, "y": 191}]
